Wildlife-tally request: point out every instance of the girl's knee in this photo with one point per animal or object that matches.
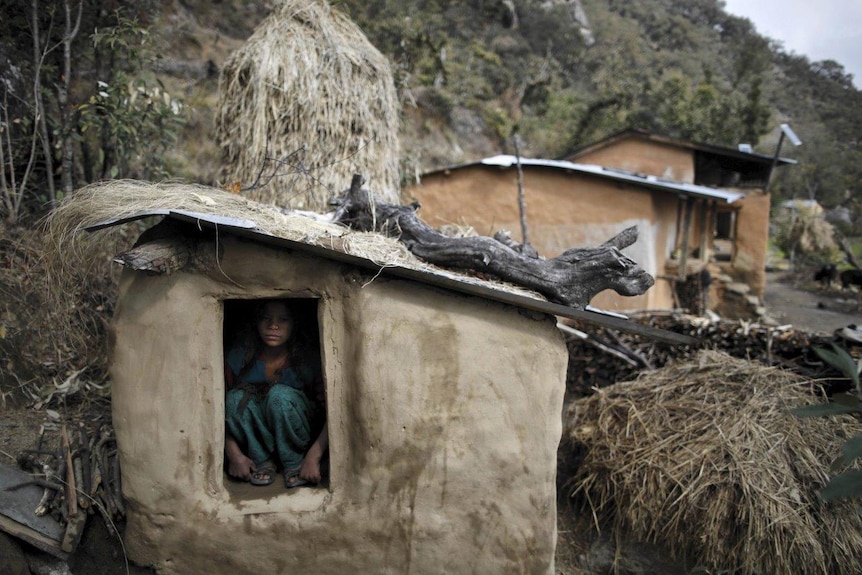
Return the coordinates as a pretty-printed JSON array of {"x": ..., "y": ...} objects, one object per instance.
[{"x": 281, "y": 396}]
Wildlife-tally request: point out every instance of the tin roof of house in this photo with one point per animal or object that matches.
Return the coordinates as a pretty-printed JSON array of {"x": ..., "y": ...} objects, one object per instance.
[
  {"x": 445, "y": 279},
  {"x": 713, "y": 149},
  {"x": 645, "y": 180}
]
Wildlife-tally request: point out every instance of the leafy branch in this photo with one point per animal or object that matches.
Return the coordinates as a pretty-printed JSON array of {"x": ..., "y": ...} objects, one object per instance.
[{"x": 848, "y": 483}]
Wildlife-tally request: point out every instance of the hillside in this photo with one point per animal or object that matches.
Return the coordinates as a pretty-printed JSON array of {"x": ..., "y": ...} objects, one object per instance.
[
  {"x": 560, "y": 74},
  {"x": 470, "y": 75}
]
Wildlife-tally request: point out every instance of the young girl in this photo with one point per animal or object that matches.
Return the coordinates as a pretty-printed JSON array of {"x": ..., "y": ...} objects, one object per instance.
[{"x": 270, "y": 414}]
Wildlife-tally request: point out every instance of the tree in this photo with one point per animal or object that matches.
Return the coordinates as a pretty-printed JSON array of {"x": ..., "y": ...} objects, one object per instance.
[{"x": 71, "y": 111}]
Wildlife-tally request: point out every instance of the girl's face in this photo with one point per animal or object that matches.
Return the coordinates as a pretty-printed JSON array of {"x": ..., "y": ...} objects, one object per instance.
[{"x": 275, "y": 324}]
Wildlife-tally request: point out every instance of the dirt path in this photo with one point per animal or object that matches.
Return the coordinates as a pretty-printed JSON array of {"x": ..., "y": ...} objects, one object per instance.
[{"x": 794, "y": 299}]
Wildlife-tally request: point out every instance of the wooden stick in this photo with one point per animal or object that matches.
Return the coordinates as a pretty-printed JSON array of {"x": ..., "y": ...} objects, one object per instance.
[{"x": 71, "y": 496}]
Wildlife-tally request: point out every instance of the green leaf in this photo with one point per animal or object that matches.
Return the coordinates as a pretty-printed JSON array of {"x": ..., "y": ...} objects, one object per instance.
[
  {"x": 852, "y": 448},
  {"x": 843, "y": 485},
  {"x": 840, "y": 359},
  {"x": 838, "y": 464},
  {"x": 846, "y": 399},
  {"x": 822, "y": 410}
]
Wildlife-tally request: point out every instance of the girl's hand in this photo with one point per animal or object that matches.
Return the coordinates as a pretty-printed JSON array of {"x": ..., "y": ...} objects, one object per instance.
[{"x": 240, "y": 467}]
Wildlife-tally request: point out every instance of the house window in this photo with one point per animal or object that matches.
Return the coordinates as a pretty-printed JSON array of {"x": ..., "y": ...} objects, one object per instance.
[{"x": 275, "y": 406}]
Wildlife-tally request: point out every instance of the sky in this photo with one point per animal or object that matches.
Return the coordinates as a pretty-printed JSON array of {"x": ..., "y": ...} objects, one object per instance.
[{"x": 821, "y": 30}]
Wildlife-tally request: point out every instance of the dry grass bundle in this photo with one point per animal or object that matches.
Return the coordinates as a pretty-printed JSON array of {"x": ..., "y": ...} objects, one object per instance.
[
  {"x": 704, "y": 458},
  {"x": 815, "y": 236},
  {"x": 306, "y": 103}
]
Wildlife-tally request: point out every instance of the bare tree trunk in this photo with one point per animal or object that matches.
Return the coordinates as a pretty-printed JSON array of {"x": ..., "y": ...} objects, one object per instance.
[
  {"x": 41, "y": 121},
  {"x": 71, "y": 32},
  {"x": 844, "y": 245},
  {"x": 7, "y": 190}
]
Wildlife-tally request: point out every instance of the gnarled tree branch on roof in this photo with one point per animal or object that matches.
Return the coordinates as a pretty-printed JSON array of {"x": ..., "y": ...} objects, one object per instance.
[{"x": 573, "y": 278}]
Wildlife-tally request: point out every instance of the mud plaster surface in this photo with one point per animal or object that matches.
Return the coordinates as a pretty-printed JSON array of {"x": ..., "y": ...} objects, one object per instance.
[{"x": 444, "y": 416}]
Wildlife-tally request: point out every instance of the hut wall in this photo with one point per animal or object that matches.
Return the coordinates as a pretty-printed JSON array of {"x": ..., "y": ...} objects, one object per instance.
[
  {"x": 564, "y": 210},
  {"x": 444, "y": 413}
]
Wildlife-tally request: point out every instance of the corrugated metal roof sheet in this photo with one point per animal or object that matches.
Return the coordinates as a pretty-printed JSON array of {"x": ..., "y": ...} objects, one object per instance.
[
  {"x": 440, "y": 278},
  {"x": 653, "y": 182}
]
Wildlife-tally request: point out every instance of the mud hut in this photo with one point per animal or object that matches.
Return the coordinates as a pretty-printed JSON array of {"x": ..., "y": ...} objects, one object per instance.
[
  {"x": 443, "y": 401},
  {"x": 303, "y": 105}
]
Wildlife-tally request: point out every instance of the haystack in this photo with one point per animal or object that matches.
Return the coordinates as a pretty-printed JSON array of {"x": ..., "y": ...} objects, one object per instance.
[
  {"x": 704, "y": 458},
  {"x": 306, "y": 103}
]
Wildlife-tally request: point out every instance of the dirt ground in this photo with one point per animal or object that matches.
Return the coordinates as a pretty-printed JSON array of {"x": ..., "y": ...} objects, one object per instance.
[
  {"x": 796, "y": 299},
  {"x": 789, "y": 298}
]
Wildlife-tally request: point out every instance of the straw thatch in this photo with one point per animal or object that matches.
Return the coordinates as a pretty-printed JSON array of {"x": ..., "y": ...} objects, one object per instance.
[
  {"x": 703, "y": 457},
  {"x": 306, "y": 103},
  {"x": 119, "y": 199}
]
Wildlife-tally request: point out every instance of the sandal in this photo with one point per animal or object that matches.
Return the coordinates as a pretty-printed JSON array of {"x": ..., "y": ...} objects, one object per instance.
[
  {"x": 292, "y": 478},
  {"x": 263, "y": 475}
]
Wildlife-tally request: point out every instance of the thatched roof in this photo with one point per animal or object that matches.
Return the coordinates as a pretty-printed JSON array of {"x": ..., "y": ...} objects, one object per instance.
[
  {"x": 306, "y": 103},
  {"x": 704, "y": 458}
]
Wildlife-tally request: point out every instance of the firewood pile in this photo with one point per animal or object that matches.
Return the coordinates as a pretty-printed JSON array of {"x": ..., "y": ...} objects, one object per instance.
[
  {"x": 599, "y": 357},
  {"x": 75, "y": 462}
]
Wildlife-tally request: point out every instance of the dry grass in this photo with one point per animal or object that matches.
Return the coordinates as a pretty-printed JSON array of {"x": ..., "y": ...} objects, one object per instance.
[
  {"x": 52, "y": 337},
  {"x": 306, "y": 103},
  {"x": 704, "y": 458}
]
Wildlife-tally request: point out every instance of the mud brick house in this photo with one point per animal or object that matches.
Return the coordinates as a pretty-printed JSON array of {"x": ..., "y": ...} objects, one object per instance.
[{"x": 696, "y": 206}]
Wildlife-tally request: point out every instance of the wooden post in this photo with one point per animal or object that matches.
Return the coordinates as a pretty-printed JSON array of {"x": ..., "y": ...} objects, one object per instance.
[
  {"x": 686, "y": 229},
  {"x": 522, "y": 205},
  {"x": 706, "y": 208}
]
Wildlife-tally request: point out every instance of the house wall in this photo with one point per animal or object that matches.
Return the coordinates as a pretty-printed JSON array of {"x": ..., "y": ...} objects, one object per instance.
[
  {"x": 444, "y": 413},
  {"x": 752, "y": 238},
  {"x": 675, "y": 163},
  {"x": 564, "y": 210},
  {"x": 644, "y": 156}
]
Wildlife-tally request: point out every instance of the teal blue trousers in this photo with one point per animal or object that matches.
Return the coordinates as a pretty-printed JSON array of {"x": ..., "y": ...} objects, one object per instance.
[{"x": 278, "y": 426}]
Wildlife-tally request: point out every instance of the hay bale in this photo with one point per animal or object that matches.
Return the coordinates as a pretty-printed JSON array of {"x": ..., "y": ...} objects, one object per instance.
[
  {"x": 703, "y": 457},
  {"x": 306, "y": 103}
]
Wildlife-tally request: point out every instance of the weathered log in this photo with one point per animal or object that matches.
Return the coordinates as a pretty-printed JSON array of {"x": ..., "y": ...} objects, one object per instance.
[{"x": 573, "y": 278}]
